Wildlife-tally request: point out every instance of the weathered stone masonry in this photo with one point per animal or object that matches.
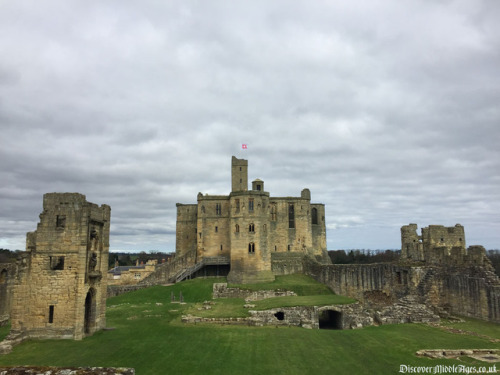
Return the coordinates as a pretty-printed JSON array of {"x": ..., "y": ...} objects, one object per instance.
[
  {"x": 436, "y": 268},
  {"x": 60, "y": 288},
  {"x": 8, "y": 273}
]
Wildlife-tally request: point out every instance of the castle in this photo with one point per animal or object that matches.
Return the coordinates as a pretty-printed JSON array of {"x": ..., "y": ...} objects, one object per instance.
[
  {"x": 57, "y": 288},
  {"x": 248, "y": 227}
]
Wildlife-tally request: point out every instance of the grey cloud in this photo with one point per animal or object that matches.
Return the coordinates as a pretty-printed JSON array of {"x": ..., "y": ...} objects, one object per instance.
[{"x": 387, "y": 111}]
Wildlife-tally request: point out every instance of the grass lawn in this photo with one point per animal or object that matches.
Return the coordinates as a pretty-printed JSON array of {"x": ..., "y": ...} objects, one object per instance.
[
  {"x": 301, "y": 284},
  {"x": 149, "y": 337}
]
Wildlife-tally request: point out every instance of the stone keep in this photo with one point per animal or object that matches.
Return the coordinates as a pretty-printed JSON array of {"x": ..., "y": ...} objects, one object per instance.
[
  {"x": 61, "y": 286},
  {"x": 247, "y": 226}
]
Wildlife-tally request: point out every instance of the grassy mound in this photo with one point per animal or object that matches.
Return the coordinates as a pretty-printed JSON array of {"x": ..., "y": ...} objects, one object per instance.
[
  {"x": 301, "y": 284},
  {"x": 149, "y": 338}
]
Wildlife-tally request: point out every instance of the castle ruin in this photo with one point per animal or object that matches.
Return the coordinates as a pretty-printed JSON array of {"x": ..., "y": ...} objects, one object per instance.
[{"x": 60, "y": 286}]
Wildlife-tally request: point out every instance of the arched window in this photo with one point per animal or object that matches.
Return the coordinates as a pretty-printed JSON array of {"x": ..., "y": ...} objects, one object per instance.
[
  {"x": 314, "y": 215},
  {"x": 237, "y": 228},
  {"x": 251, "y": 228},
  {"x": 251, "y": 248}
]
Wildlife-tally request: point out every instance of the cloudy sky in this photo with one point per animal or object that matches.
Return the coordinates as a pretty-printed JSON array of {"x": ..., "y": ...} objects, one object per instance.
[{"x": 388, "y": 111}]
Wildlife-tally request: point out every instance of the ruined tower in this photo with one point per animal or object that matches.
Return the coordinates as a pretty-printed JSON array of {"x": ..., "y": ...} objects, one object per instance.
[
  {"x": 61, "y": 287},
  {"x": 436, "y": 242}
]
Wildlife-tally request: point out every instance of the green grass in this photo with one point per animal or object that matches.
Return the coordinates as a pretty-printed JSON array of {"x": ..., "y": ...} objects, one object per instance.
[
  {"x": 149, "y": 337},
  {"x": 4, "y": 331},
  {"x": 474, "y": 325},
  {"x": 301, "y": 284}
]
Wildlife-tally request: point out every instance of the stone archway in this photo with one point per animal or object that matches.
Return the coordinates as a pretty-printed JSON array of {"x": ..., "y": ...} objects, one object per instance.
[
  {"x": 90, "y": 312},
  {"x": 330, "y": 319}
]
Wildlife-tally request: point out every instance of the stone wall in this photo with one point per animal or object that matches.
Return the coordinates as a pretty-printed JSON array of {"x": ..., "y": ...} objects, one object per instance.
[
  {"x": 116, "y": 290},
  {"x": 286, "y": 263},
  {"x": 220, "y": 290},
  {"x": 60, "y": 289},
  {"x": 472, "y": 291},
  {"x": 463, "y": 283},
  {"x": 360, "y": 281},
  {"x": 166, "y": 273},
  {"x": 48, "y": 370},
  {"x": 349, "y": 316},
  {"x": 8, "y": 272}
]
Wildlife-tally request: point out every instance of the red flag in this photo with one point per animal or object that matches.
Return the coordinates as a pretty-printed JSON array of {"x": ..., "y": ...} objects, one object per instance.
[{"x": 244, "y": 146}]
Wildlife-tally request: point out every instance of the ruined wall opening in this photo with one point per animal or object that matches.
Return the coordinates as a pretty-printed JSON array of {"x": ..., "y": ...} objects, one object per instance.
[
  {"x": 3, "y": 276},
  {"x": 330, "y": 319},
  {"x": 56, "y": 263},
  {"x": 90, "y": 311},
  {"x": 280, "y": 315}
]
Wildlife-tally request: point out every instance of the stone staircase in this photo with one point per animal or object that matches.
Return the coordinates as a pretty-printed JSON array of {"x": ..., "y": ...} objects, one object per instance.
[
  {"x": 425, "y": 285},
  {"x": 207, "y": 261},
  {"x": 181, "y": 268}
]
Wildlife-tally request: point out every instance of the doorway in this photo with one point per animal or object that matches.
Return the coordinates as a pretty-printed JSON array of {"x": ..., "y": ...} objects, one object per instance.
[
  {"x": 90, "y": 312},
  {"x": 330, "y": 319}
]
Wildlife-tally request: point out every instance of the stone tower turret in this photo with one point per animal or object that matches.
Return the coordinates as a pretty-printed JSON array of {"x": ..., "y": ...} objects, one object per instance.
[{"x": 239, "y": 174}]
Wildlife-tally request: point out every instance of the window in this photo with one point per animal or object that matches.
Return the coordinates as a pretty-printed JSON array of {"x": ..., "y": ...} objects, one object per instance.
[
  {"x": 251, "y": 248},
  {"x": 291, "y": 216},
  {"x": 218, "y": 209},
  {"x": 250, "y": 204},
  {"x": 251, "y": 228},
  {"x": 314, "y": 215},
  {"x": 56, "y": 263},
  {"x": 51, "y": 314},
  {"x": 237, "y": 228},
  {"x": 273, "y": 211},
  {"x": 220, "y": 247},
  {"x": 216, "y": 229},
  {"x": 137, "y": 276},
  {"x": 289, "y": 247},
  {"x": 3, "y": 277},
  {"x": 237, "y": 202},
  {"x": 61, "y": 221},
  {"x": 258, "y": 187}
]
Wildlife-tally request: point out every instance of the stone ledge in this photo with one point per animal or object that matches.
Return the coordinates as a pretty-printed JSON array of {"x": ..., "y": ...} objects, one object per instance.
[
  {"x": 485, "y": 355},
  {"x": 32, "y": 370}
]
